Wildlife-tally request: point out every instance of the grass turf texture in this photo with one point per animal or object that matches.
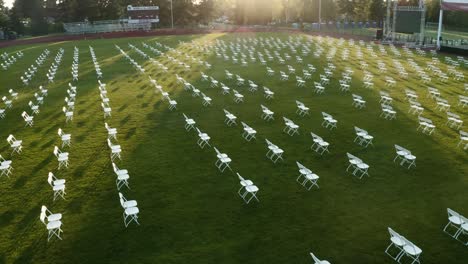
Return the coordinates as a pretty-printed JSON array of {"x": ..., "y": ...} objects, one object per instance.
[{"x": 189, "y": 211}]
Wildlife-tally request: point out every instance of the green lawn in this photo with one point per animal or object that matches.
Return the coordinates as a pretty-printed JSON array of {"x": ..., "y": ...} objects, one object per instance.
[{"x": 189, "y": 211}]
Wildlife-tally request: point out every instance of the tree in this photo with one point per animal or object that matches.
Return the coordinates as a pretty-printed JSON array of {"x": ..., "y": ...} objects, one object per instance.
[{"x": 376, "y": 10}]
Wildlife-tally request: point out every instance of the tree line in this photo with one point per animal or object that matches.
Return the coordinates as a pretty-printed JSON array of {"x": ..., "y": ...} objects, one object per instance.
[{"x": 37, "y": 17}]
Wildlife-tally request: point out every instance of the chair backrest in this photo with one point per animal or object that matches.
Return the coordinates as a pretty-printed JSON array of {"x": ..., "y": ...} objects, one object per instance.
[
  {"x": 463, "y": 134},
  {"x": 352, "y": 157},
  {"x": 10, "y": 139},
  {"x": 451, "y": 212},
  {"x": 115, "y": 167},
  {"x": 43, "y": 216},
  {"x": 56, "y": 151},
  {"x": 64, "y": 109},
  {"x": 393, "y": 233},
  {"x": 217, "y": 151},
  {"x": 60, "y": 132},
  {"x": 314, "y": 136},
  {"x": 50, "y": 178},
  {"x": 268, "y": 142},
  {"x": 316, "y": 260},
  {"x": 240, "y": 177}
]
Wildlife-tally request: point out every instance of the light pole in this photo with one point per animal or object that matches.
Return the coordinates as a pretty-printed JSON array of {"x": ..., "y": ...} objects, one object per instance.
[{"x": 172, "y": 17}]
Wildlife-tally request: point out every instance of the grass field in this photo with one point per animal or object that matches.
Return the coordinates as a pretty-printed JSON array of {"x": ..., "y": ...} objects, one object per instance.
[{"x": 189, "y": 211}]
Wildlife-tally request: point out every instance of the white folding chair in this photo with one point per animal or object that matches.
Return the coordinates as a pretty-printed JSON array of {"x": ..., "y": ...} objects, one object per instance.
[
  {"x": 404, "y": 156},
  {"x": 290, "y": 127},
  {"x": 28, "y": 119},
  {"x": 68, "y": 114},
  {"x": 238, "y": 98},
  {"x": 13, "y": 94},
  {"x": 454, "y": 120},
  {"x": 130, "y": 210},
  {"x": 385, "y": 98},
  {"x": 455, "y": 222},
  {"x": 15, "y": 144},
  {"x": 267, "y": 114},
  {"x": 320, "y": 145},
  {"x": 223, "y": 160},
  {"x": 34, "y": 108},
  {"x": 62, "y": 157},
  {"x": 328, "y": 121},
  {"x": 426, "y": 125},
  {"x": 122, "y": 177},
  {"x": 7, "y": 102},
  {"x": 388, "y": 112},
  {"x": 302, "y": 110},
  {"x": 5, "y": 167},
  {"x": 66, "y": 138},
  {"x": 247, "y": 187},
  {"x": 189, "y": 123},
  {"x": 442, "y": 104},
  {"x": 362, "y": 137},
  {"x": 52, "y": 222},
  {"x": 230, "y": 118},
  {"x": 268, "y": 93},
  {"x": 359, "y": 167},
  {"x": 206, "y": 100},
  {"x": 274, "y": 152},
  {"x": 463, "y": 139},
  {"x": 249, "y": 133},
  {"x": 172, "y": 103},
  {"x": 410, "y": 250},
  {"x": 106, "y": 109},
  {"x": 415, "y": 108},
  {"x": 306, "y": 176},
  {"x": 115, "y": 150},
  {"x": 203, "y": 139},
  {"x": 111, "y": 132},
  {"x": 358, "y": 102},
  {"x": 58, "y": 186},
  {"x": 317, "y": 260},
  {"x": 395, "y": 249}
]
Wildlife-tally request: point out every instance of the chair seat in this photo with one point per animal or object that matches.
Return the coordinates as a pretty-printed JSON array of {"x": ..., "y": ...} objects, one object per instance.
[
  {"x": 6, "y": 163},
  {"x": 190, "y": 121},
  {"x": 402, "y": 153},
  {"x": 225, "y": 160},
  {"x": 54, "y": 217},
  {"x": 131, "y": 210},
  {"x": 465, "y": 227},
  {"x": 412, "y": 250},
  {"x": 231, "y": 117},
  {"x": 58, "y": 187},
  {"x": 362, "y": 166},
  {"x": 455, "y": 220},
  {"x": 354, "y": 161},
  {"x": 312, "y": 176},
  {"x": 54, "y": 225},
  {"x": 130, "y": 203},
  {"x": 277, "y": 151},
  {"x": 59, "y": 182},
  {"x": 66, "y": 137},
  {"x": 323, "y": 143},
  {"x": 246, "y": 183},
  {"x": 251, "y": 188},
  {"x": 305, "y": 171},
  {"x": 122, "y": 177},
  {"x": 410, "y": 157},
  {"x": 397, "y": 241}
]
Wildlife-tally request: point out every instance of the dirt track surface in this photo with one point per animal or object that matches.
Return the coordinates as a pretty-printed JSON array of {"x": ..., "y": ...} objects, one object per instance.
[{"x": 159, "y": 32}]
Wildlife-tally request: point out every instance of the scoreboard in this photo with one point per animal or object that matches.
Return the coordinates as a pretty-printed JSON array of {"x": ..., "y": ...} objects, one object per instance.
[{"x": 139, "y": 14}]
